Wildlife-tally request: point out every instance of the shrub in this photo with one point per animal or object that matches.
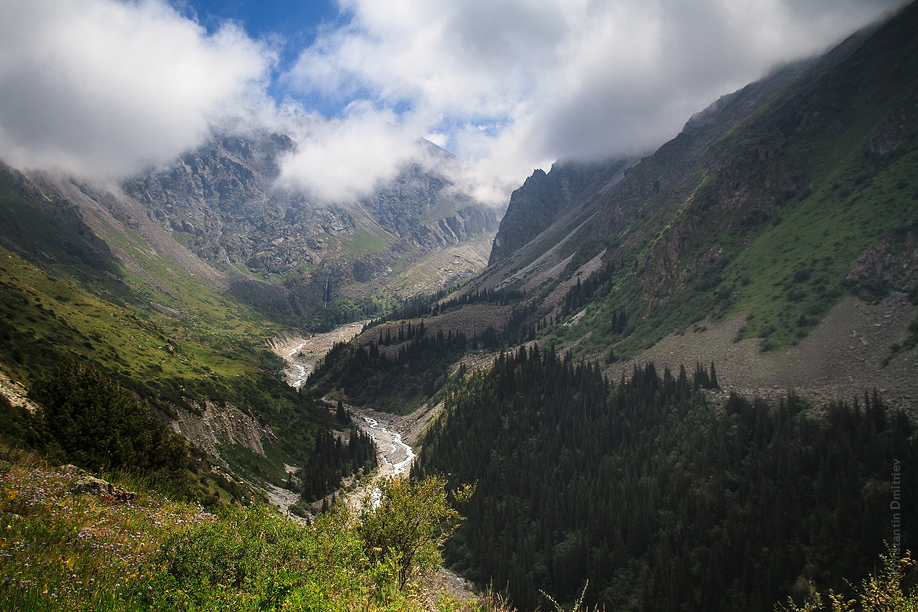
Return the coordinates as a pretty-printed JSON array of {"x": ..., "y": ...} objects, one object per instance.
[
  {"x": 88, "y": 419},
  {"x": 409, "y": 525}
]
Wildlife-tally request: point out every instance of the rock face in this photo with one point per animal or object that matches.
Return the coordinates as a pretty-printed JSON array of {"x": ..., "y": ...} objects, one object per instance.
[
  {"x": 611, "y": 189},
  {"x": 221, "y": 202},
  {"x": 97, "y": 486},
  {"x": 543, "y": 197}
]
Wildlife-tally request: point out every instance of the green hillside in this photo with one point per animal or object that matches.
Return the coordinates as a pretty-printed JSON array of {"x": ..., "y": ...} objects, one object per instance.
[
  {"x": 773, "y": 222},
  {"x": 153, "y": 328}
]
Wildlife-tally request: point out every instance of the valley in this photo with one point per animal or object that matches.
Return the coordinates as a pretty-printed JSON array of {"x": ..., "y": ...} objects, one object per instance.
[{"x": 681, "y": 380}]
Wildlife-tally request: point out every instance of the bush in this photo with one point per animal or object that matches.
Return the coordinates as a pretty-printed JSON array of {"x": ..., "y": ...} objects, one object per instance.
[
  {"x": 881, "y": 590},
  {"x": 89, "y": 420},
  {"x": 409, "y": 525}
]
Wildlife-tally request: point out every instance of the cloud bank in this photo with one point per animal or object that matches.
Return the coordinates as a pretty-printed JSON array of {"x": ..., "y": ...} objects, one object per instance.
[
  {"x": 517, "y": 84},
  {"x": 101, "y": 88},
  {"x": 104, "y": 87}
]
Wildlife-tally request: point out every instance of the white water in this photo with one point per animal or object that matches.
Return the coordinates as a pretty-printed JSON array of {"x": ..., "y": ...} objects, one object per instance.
[
  {"x": 301, "y": 376},
  {"x": 401, "y": 466}
]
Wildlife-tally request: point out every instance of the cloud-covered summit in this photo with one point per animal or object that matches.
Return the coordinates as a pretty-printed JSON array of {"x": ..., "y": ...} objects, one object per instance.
[
  {"x": 105, "y": 87},
  {"x": 102, "y": 88}
]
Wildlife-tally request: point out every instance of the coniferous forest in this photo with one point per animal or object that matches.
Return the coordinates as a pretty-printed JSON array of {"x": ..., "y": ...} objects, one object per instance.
[{"x": 657, "y": 498}]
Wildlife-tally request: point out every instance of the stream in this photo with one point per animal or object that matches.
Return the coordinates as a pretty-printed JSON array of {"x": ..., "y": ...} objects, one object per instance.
[
  {"x": 302, "y": 355},
  {"x": 397, "y": 448},
  {"x": 302, "y": 374}
]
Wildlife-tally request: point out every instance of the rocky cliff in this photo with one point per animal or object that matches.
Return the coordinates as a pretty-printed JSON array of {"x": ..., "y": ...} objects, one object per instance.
[
  {"x": 221, "y": 202},
  {"x": 544, "y": 197}
]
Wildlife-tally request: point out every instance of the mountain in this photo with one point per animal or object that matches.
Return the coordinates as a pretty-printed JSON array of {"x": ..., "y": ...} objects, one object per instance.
[
  {"x": 784, "y": 205},
  {"x": 218, "y": 213},
  {"x": 171, "y": 282},
  {"x": 221, "y": 202},
  {"x": 684, "y": 381}
]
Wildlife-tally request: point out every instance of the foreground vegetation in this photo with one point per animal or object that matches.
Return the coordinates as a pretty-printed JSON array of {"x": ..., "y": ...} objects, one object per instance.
[
  {"x": 64, "y": 551},
  {"x": 60, "y": 551}
]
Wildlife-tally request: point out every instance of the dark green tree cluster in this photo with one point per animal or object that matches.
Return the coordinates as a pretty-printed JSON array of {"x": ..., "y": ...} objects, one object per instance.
[
  {"x": 434, "y": 304},
  {"x": 413, "y": 331},
  {"x": 596, "y": 285},
  {"x": 88, "y": 419},
  {"x": 365, "y": 373},
  {"x": 340, "y": 312},
  {"x": 342, "y": 415},
  {"x": 660, "y": 500},
  {"x": 333, "y": 459},
  {"x": 502, "y": 297},
  {"x": 703, "y": 379}
]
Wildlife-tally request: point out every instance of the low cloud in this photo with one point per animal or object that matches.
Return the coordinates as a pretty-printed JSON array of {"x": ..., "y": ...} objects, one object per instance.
[
  {"x": 341, "y": 159},
  {"x": 102, "y": 88},
  {"x": 517, "y": 84}
]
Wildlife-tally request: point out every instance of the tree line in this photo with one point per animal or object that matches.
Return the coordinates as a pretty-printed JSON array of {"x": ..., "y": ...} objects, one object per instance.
[{"x": 656, "y": 497}]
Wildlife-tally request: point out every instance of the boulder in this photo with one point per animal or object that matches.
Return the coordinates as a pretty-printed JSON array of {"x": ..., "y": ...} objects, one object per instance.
[{"x": 102, "y": 488}]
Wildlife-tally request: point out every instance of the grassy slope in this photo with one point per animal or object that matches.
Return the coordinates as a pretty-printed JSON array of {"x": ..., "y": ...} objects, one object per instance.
[
  {"x": 86, "y": 552},
  {"x": 76, "y": 298},
  {"x": 810, "y": 212}
]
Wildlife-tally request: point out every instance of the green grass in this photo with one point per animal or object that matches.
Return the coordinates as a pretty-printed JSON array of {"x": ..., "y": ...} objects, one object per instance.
[
  {"x": 794, "y": 272},
  {"x": 365, "y": 241},
  {"x": 213, "y": 352},
  {"x": 86, "y": 552}
]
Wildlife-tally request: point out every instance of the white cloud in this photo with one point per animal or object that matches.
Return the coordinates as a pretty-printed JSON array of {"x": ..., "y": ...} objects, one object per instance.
[
  {"x": 341, "y": 159},
  {"x": 561, "y": 78},
  {"x": 101, "y": 88}
]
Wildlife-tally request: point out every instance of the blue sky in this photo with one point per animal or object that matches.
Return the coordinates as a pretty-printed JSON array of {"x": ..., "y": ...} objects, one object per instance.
[
  {"x": 104, "y": 88},
  {"x": 289, "y": 25}
]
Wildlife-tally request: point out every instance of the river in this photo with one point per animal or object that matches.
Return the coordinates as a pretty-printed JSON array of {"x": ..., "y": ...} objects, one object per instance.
[{"x": 392, "y": 433}]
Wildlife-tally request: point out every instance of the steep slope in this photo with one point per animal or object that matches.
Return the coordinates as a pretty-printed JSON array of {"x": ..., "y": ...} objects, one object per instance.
[
  {"x": 543, "y": 200},
  {"x": 535, "y": 207},
  {"x": 772, "y": 205}
]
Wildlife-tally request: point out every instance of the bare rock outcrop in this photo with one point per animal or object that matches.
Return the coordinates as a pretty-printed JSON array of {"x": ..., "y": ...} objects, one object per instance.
[
  {"x": 97, "y": 486},
  {"x": 215, "y": 424}
]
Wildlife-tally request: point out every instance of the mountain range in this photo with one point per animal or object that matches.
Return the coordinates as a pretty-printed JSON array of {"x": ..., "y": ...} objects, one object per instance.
[{"x": 775, "y": 238}]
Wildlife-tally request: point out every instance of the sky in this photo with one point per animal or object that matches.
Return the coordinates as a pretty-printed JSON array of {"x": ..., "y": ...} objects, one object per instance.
[{"x": 103, "y": 89}]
